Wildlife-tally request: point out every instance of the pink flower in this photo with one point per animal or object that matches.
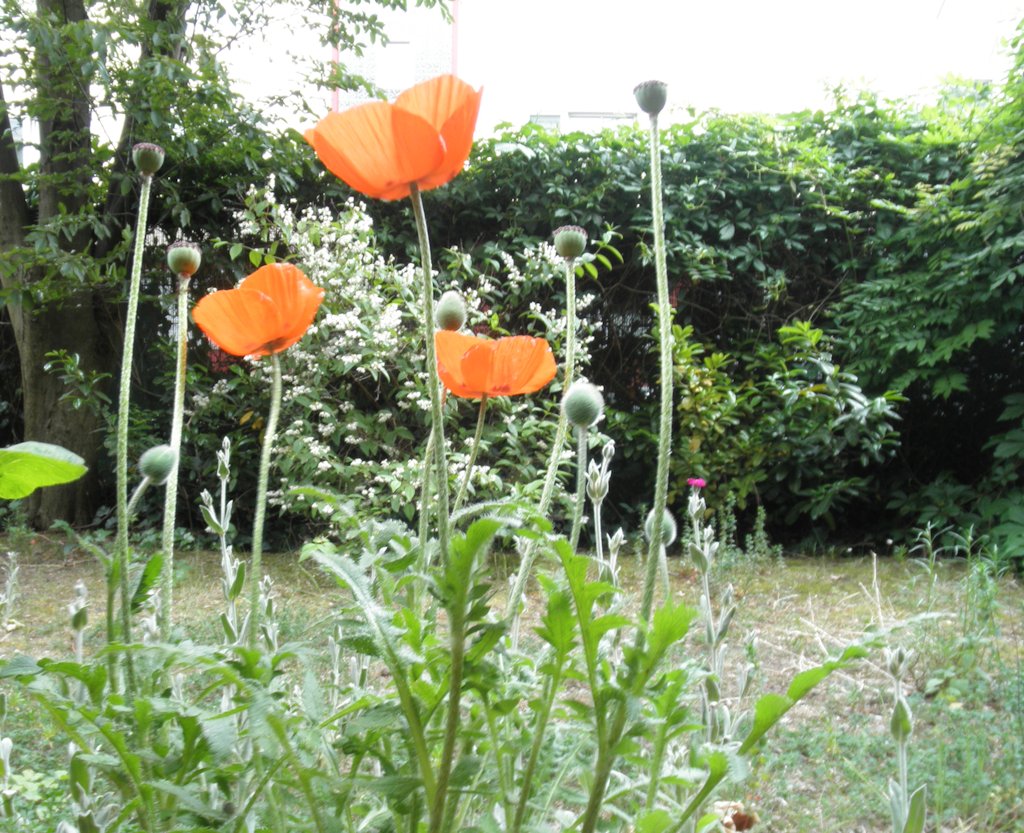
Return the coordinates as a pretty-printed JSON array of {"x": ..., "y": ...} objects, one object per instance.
[{"x": 696, "y": 482}]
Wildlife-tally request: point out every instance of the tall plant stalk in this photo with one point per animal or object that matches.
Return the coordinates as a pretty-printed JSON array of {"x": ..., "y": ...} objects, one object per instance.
[
  {"x": 123, "y": 404},
  {"x": 481, "y": 414},
  {"x": 433, "y": 380},
  {"x": 171, "y": 493},
  {"x": 551, "y": 476},
  {"x": 269, "y": 433},
  {"x": 665, "y": 350}
]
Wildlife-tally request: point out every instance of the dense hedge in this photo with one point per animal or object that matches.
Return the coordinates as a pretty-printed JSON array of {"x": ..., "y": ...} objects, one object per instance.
[{"x": 771, "y": 222}]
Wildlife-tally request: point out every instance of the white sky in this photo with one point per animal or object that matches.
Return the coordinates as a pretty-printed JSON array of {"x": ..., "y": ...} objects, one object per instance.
[
  {"x": 537, "y": 56},
  {"x": 734, "y": 55}
]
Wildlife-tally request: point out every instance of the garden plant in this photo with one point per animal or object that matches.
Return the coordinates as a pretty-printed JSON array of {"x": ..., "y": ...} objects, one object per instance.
[{"x": 441, "y": 702}]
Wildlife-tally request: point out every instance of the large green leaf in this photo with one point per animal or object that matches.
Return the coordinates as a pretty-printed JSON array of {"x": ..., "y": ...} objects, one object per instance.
[{"x": 26, "y": 467}]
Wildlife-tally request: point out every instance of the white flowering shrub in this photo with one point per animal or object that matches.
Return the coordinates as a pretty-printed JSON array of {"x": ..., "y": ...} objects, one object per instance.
[{"x": 356, "y": 405}]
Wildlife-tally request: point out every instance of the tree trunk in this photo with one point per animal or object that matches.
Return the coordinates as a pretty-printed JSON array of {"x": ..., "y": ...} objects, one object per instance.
[{"x": 69, "y": 324}]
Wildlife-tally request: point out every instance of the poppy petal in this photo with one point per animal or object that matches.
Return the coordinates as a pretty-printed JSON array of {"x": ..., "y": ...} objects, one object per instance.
[
  {"x": 458, "y": 141},
  {"x": 523, "y": 364},
  {"x": 478, "y": 367},
  {"x": 451, "y": 106},
  {"x": 238, "y": 321},
  {"x": 450, "y": 348},
  {"x": 295, "y": 297},
  {"x": 377, "y": 150}
]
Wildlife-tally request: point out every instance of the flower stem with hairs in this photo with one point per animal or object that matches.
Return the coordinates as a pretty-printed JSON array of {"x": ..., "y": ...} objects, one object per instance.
[
  {"x": 665, "y": 348},
  {"x": 269, "y": 433},
  {"x": 123, "y": 404},
  {"x": 481, "y": 414},
  {"x": 171, "y": 493},
  {"x": 551, "y": 476},
  {"x": 581, "y": 486}
]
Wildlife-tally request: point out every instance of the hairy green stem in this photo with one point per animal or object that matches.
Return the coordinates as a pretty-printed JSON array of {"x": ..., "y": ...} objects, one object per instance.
[
  {"x": 457, "y": 643},
  {"x": 171, "y": 489},
  {"x": 539, "y": 730},
  {"x": 551, "y": 476},
  {"x": 269, "y": 434},
  {"x": 472, "y": 454},
  {"x": 581, "y": 486},
  {"x": 140, "y": 490},
  {"x": 123, "y": 404},
  {"x": 665, "y": 347},
  {"x": 434, "y": 382}
]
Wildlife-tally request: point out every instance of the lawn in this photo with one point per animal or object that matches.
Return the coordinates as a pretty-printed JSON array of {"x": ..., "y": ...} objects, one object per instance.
[{"x": 828, "y": 764}]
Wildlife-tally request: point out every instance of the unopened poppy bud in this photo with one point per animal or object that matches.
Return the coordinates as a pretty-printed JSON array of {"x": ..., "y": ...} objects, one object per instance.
[
  {"x": 570, "y": 241},
  {"x": 583, "y": 404},
  {"x": 157, "y": 463},
  {"x": 148, "y": 157},
  {"x": 451, "y": 311},
  {"x": 183, "y": 258},
  {"x": 668, "y": 528},
  {"x": 651, "y": 96}
]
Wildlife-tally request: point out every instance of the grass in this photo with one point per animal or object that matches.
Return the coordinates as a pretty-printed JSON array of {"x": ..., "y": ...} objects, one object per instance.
[{"x": 828, "y": 767}]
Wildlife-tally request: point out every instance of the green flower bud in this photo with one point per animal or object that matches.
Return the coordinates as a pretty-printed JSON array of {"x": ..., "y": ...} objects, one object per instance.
[
  {"x": 570, "y": 241},
  {"x": 651, "y": 96},
  {"x": 157, "y": 463},
  {"x": 183, "y": 258},
  {"x": 148, "y": 157},
  {"x": 668, "y": 528},
  {"x": 902, "y": 723},
  {"x": 583, "y": 404},
  {"x": 450, "y": 313}
]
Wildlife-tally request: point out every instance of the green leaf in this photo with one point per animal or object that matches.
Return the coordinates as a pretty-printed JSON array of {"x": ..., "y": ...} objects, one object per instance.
[
  {"x": 235, "y": 251},
  {"x": 28, "y": 466},
  {"x": 726, "y": 232},
  {"x": 147, "y": 581},
  {"x": 767, "y": 712},
  {"x": 916, "y": 813},
  {"x": 656, "y": 821}
]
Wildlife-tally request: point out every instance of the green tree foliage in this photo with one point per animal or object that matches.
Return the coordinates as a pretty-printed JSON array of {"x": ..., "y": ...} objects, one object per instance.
[{"x": 150, "y": 71}]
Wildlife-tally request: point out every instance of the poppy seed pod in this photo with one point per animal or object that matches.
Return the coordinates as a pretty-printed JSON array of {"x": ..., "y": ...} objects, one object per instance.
[
  {"x": 651, "y": 96},
  {"x": 147, "y": 157},
  {"x": 157, "y": 463},
  {"x": 583, "y": 404},
  {"x": 570, "y": 241},
  {"x": 451, "y": 311},
  {"x": 184, "y": 258},
  {"x": 668, "y": 528}
]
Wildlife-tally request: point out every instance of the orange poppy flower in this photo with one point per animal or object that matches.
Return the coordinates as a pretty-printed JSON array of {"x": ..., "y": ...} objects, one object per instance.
[
  {"x": 381, "y": 149},
  {"x": 268, "y": 312},
  {"x": 474, "y": 367}
]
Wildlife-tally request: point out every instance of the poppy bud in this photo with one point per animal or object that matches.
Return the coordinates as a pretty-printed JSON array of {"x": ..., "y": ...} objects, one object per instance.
[
  {"x": 451, "y": 311},
  {"x": 184, "y": 258},
  {"x": 148, "y": 157},
  {"x": 668, "y": 528},
  {"x": 157, "y": 463},
  {"x": 583, "y": 404},
  {"x": 651, "y": 96},
  {"x": 570, "y": 241}
]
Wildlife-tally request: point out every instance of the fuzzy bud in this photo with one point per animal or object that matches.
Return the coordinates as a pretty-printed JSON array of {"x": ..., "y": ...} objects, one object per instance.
[
  {"x": 651, "y": 96},
  {"x": 902, "y": 723},
  {"x": 570, "y": 241},
  {"x": 147, "y": 158},
  {"x": 668, "y": 528},
  {"x": 157, "y": 463},
  {"x": 450, "y": 313},
  {"x": 183, "y": 258},
  {"x": 583, "y": 404}
]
